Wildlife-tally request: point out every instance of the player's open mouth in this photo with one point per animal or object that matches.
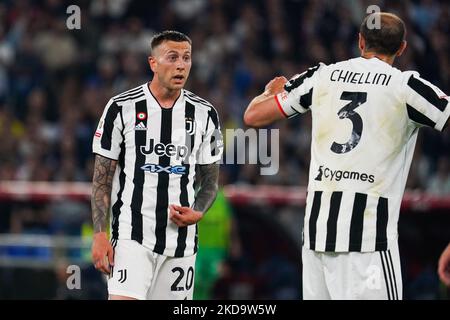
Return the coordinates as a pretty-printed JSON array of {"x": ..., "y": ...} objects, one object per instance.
[{"x": 179, "y": 78}]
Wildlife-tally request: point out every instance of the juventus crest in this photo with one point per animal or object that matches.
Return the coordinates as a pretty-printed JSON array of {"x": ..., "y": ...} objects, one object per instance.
[
  {"x": 191, "y": 126},
  {"x": 123, "y": 275}
]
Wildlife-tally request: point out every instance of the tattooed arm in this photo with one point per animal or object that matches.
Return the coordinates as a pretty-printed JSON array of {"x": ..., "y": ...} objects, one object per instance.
[
  {"x": 102, "y": 252},
  {"x": 104, "y": 169},
  {"x": 209, "y": 184},
  {"x": 208, "y": 175}
]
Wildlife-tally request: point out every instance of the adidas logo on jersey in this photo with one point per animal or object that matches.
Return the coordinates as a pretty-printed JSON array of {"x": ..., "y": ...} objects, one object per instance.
[
  {"x": 338, "y": 175},
  {"x": 140, "y": 126}
]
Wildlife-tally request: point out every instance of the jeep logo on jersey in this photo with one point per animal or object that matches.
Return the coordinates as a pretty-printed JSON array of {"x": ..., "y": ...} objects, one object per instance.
[
  {"x": 190, "y": 126},
  {"x": 156, "y": 168},
  {"x": 338, "y": 175},
  {"x": 162, "y": 149}
]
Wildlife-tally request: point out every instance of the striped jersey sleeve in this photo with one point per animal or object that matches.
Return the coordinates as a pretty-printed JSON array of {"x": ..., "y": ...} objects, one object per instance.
[
  {"x": 297, "y": 97},
  {"x": 108, "y": 135},
  {"x": 211, "y": 148},
  {"x": 426, "y": 104}
]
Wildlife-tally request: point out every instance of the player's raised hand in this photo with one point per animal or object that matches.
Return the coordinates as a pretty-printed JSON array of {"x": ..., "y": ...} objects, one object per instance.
[
  {"x": 102, "y": 253},
  {"x": 444, "y": 266},
  {"x": 275, "y": 86},
  {"x": 184, "y": 216}
]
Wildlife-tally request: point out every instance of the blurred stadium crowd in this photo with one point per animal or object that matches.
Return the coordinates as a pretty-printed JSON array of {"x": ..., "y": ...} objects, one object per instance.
[{"x": 55, "y": 82}]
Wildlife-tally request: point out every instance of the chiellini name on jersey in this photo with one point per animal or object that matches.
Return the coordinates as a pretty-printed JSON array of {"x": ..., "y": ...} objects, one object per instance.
[{"x": 360, "y": 77}]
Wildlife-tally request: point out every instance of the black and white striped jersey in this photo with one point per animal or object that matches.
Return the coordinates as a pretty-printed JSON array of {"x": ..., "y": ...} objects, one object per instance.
[
  {"x": 157, "y": 151},
  {"x": 365, "y": 118}
]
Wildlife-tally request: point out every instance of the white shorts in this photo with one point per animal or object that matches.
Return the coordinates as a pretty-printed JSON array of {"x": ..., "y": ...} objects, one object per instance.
[
  {"x": 352, "y": 275},
  {"x": 140, "y": 273}
]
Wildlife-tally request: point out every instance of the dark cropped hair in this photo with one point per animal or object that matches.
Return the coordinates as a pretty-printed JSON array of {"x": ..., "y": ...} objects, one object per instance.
[
  {"x": 168, "y": 35},
  {"x": 388, "y": 38}
]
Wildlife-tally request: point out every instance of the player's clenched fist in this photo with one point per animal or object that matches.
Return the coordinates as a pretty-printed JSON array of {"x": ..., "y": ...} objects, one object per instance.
[
  {"x": 275, "y": 86},
  {"x": 102, "y": 252},
  {"x": 184, "y": 216}
]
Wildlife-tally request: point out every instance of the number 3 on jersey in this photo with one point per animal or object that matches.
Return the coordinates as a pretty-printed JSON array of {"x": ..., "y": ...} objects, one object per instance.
[{"x": 348, "y": 112}]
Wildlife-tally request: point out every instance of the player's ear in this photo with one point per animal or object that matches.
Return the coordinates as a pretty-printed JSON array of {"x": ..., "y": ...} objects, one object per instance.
[
  {"x": 361, "y": 43},
  {"x": 402, "y": 48},
  {"x": 152, "y": 63}
]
